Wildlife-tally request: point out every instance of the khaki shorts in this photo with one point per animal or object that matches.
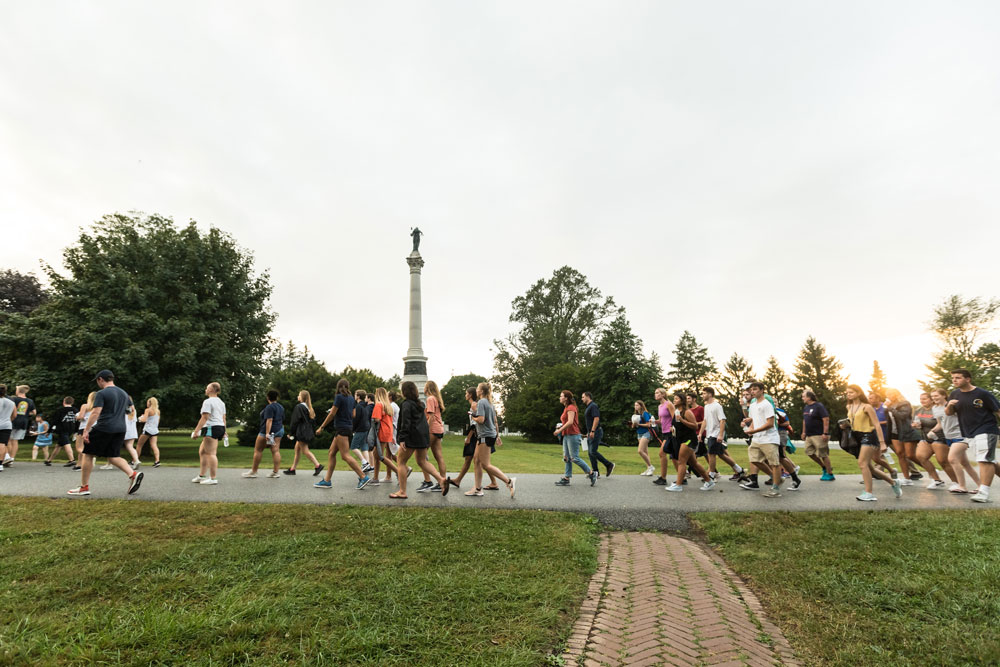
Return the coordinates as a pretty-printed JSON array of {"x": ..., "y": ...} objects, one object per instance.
[
  {"x": 763, "y": 452},
  {"x": 815, "y": 446}
]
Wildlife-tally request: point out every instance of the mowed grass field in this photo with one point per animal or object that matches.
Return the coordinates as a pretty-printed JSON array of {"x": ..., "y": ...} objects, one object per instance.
[
  {"x": 872, "y": 588},
  {"x": 517, "y": 455},
  {"x": 112, "y": 582}
]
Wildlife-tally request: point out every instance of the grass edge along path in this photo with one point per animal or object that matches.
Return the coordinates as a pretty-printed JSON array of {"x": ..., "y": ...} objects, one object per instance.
[
  {"x": 873, "y": 588},
  {"x": 158, "y": 583}
]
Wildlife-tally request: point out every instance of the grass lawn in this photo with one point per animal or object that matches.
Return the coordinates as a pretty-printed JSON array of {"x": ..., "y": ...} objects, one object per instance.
[
  {"x": 873, "y": 588},
  {"x": 155, "y": 583},
  {"x": 516, "y": 456}
]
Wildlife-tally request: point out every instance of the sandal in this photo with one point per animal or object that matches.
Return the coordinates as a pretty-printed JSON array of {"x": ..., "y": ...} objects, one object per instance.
[
  {"x": 474, "y": 492},
  {"x": 492, "y": 487},
  {"x": 454, "y": 483},
  {"x": 398, "y": 496},
  {"x": 445, "y": 487}
]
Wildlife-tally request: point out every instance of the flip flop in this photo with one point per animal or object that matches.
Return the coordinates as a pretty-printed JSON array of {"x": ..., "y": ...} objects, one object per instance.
[
  {"x": 398, "y": 496},
  {"x": 491, "y": 488}
]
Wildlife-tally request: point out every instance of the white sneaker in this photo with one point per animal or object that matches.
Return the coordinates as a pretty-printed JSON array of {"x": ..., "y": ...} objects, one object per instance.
[
  {"x": 708, "y": 486},
  {"x": 981, "y": 498},
  {"x": 906, "y": 482},
  {"x": 675, "y": 487},
  {"x": 273, "y": 475},
  {"x": 250, "y": 474},
  {"x": 935, "y": 484},
  {"x": 107, "y": 466},
  {"x": 7, "y": 459},
  {"x": 867, "y": 497},
  {"x": 209, "y": 481},
  {"x": 713, "y": 475},
  {"x": 649, "y": 472},
  {"x": 199, "y": 479},
  {"x": 1, "y": 467}
]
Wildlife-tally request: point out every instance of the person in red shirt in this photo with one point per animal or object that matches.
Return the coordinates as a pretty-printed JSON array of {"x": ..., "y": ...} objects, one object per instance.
[{"x": 569, "y": 431}]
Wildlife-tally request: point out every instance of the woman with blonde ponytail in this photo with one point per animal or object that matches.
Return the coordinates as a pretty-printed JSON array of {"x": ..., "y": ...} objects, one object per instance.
[
  {"x": 150, "y": 430},
  {"x": 303, "y": 430}
]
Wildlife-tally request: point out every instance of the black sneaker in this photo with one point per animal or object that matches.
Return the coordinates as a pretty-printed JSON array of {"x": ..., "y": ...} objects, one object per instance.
[
  {"x": 749, "y": 485},
  {"x": 77, "y": 468},
  {"x": 134, "y": 483},
  {"x": 795, "y": 485},
  {"x": 593, "y": 477},
  {"x": 915, "y": 476},
  {"x": 156, "y": 464},
  {"x": 684, "y": 482},
  {"x": 562, "y": 482},
  {"x": 288, "y": 472},
  {"x": 611, "y": 469},
  {"x": 659, "y": 481},
  {"x": 436, "y": 488},
  {"x": 318, "y": 469},
  {"x": 48, "y": 463},
  {"x": 425, "y": 487},
  {"x": 69, "y": 465}
]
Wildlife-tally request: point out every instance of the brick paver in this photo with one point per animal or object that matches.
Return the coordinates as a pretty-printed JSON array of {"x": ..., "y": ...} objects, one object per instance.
[{"x": 657, "y": 599}]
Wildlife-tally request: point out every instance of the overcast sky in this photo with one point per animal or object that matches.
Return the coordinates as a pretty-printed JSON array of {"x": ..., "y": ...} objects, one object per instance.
[{"x": 754, "y": 172}]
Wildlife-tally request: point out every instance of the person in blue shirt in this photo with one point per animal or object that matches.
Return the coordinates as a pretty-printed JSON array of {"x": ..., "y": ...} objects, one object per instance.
[
  {"x": 269, "y": 434},
  {"x": 43, "y": 438},
  {"x": 641, "y": 425},
  {"x": 342, "y": 415}
]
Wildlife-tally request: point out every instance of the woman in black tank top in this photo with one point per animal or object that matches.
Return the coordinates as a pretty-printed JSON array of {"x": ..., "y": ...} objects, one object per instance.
[{"x": 685, "y": 433}]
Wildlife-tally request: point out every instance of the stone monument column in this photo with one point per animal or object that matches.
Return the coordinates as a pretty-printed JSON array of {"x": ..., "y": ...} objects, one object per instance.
[{"x": 415, "y": 363}]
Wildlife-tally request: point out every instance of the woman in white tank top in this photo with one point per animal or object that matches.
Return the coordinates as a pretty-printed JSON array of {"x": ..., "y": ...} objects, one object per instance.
[{"x": 151, "y": 429}]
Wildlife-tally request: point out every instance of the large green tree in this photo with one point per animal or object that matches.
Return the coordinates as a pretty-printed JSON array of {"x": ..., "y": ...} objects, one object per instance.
[
  {"x": 456, "y": 409},
  {"x": 619, "y": 375},
  {"x": 535, "y": 408},
  {"x": 960, "y": 325},
  {"x": 780, "y": 387},
  {"x": 167, "y": 308},
  {"x": 824, "y": 375},
  {"x": 692, "y": 367},
  {"x": 19, "y": 293},
  {"x": 735, "y": 373}
]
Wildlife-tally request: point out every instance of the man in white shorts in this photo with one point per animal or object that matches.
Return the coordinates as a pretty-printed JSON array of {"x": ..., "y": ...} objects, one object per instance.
[{"x": 977, "y": 411}]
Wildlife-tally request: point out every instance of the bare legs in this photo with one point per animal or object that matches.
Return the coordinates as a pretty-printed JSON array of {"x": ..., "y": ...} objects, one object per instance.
[
  {"x": 151, "y": 439},
  {"x": 483, "y": 455},
  {"x": 208, "y": 460},
  {"x": 865, "y": 458},
  {"x": 343, "y": 446},
  {"x": 644, "y": 451},
  {"x": 960, "y": 465},
  {"x": 300, "y": 449},
  {"x": 686, "y": 457},
  {"x": 88, "y": 467},
  {"x": 425, "y": 465},
  {"x": 258, "y": 453},
  {"x": 130, "y": 448}
]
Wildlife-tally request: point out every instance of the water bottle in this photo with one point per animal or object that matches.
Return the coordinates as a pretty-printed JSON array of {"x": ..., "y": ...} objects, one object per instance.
[{"x": 225, "y": 440}]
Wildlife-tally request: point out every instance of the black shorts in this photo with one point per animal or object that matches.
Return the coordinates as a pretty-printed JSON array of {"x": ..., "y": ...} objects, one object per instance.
[
  {"x": 4, "y": 436},
  {"x": 489, "y": 440},
  {"x": 103, "y": 444},
  {"x": 345, "y": 433},
  {"x": 470, "y": 448},
  {"x": 65, "y": 438},
  {"x": 716, "y": 446},
  {"x": 214, "y": 432},
  {"x": 670, "y": 446}
]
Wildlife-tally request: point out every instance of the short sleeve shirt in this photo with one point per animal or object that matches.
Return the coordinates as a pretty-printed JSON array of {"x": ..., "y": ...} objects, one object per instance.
[
  {"x": 434, "y": 422},
  {"x": 344, "y": 419},
  {"x": 975, "y": 412},
  {"x": 760, "y": 412},
  {"x": 25, "y": 406},
  {"x": 216, "y": 410},
  {"x": 571, "y": 415},
  {"x": 276, "y": 413},
  {"x": 114, "y": 403},
  {"x": 699, "y": 413},
  {"x": 488, "y": 428},
  {"x": 812, "y": 418},
  {"x": 642, "y": 431},
  {"x": 590, "y": 414},
  {"x": 6, "y": 409},
  {"x": 714, "y": 414},
  {"x": 384, "y": 420}
]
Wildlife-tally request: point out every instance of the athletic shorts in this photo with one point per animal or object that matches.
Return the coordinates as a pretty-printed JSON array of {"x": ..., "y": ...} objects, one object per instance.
[
  {"x": 214, "y": 432},
  {"x": 867, "y": 439},
  {"x": 18, "y": 434},
  {"x": 4, "y": 436},
  {"x": 952, "y": 441},
  {"x": 65, "y": 439},
  {"x": 103, "y": 444},
  {"x": 984, "y": 446},
  {"x": 345, "y": 433},
  {"x": 360, "y": 441},
  {"x": 489, "y": 440},
  {"x": 815, "y": 446},
  {"x": 439, "y": 436},
  {"x": 716, "y": 446},
  {"x": 763, "y": 452}
]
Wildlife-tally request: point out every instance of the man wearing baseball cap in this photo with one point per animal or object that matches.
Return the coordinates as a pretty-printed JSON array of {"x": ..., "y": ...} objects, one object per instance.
[{"x": 104, "y": 434}]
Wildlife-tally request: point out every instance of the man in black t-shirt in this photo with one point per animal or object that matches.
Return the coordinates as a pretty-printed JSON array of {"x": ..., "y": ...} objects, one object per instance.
[
  {"x": 24, "y": 409},
  {"x": 104, "y": 434},
  {"x": 64, "y": 428},
  {"x": 595, "y": 434},
  {"x": 977, "y": 411}
]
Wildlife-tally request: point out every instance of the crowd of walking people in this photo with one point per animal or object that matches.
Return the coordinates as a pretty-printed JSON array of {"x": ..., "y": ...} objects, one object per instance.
[{"x": 375, "y": 431}]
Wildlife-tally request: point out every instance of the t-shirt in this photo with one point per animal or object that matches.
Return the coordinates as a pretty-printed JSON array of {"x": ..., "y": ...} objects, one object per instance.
[
  {"x": 114, "y": 403},
  {"x": 642, "y": 430},
  {"x": 812, "y": 418},
  {"x": 571, "y": 415},
  {"x": 395, "y": 419},
  {"x": 384, "y": 419},
  {"x": 714, "y": 414},
  {"x": 433, "y": 410},
  {"x": 25, "y": 406},
  {"x": 590, "y": 414},
  {"x": 360, "y": 423},
  {"x": 883, "y": 416},
  {"x": 950, "y": 429},
  {"x": 344, "y": 419},
  {"x": 781, "y": 419},
  {"x": 6, "y": 410},
  {"x": 488, "y": 429},
  {"x": 44, "y": 434},
  {"x": 276, "y": 413},
  {"x": 64, "y": 420},
  {"x": 699, "y": 413},
  {"x": 216, "y": 410},
  {"x": 760, "y": 412},
  {"x": 975, "y": 412}
]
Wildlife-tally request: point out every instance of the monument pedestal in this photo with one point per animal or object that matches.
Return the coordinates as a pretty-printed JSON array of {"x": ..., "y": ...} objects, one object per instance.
[{"x": 415, "y": 362}]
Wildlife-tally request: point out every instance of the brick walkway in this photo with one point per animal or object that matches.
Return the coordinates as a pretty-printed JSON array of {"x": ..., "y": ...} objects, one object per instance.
[{"x": 635, "y": 615}]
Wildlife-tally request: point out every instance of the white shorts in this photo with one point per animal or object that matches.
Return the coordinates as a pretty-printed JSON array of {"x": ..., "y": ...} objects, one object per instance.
[
  {"x": 984, "y": 446},
  {"x": 18, "y": 434}
]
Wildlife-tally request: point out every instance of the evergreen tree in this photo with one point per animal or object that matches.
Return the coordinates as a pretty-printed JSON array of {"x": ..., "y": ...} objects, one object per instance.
[
  {"x": 780, "y": 388},
  {"x": 878, "y": 381},
  {"x": 735, "y": 373},
  {"x": 692, "y": 367},
  {"x": 619, "y": 375},
  {"x": 823, "y": 374}
]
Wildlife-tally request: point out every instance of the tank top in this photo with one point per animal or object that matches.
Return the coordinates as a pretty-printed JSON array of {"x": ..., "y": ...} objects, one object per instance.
[
  {"x": 860, "y": 421},
  {"x": 685, "y": 433},
  {"x": 666, "y": 418},
  {"x": 152, "y": 425}
]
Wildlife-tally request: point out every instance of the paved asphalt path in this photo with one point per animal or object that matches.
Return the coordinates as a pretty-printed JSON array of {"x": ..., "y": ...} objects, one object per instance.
[{"x": 630, "y": 502}]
